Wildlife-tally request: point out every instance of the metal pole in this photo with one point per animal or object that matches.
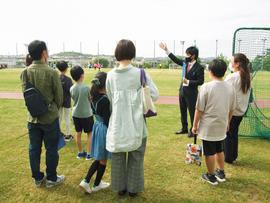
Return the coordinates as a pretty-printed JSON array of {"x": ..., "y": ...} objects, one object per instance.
[
  {"x": 239, "y": 45},
  {"x": 98, "y": 51},
  {"x": 174, "y": 47},
  {"x": 216, "y": 48},
  {"x": 183, "y": 44},
  {"x": 154, "y": 53},
  {"x": 195, "y": 42},
  {"x": 263, "y": 53},
  {"x": 63, "y": 46}
]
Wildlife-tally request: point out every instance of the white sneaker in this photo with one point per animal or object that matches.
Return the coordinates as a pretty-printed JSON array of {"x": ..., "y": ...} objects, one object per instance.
[
  {"x": 60, "y": 179},
  {"x": 102, "y": 185},
  {"x": 85, "y": 186}
]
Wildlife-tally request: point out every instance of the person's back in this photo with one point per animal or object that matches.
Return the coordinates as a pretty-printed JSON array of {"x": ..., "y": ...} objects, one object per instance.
[
  {"x": 219, "y": 97},
  {"x": 81, "y": 96},
  {"x": 46, "y": 80},
  {"x": 215, "y": 104},
  {"x": 242, "y": 99},
  {"x": 44, "y": 128}
]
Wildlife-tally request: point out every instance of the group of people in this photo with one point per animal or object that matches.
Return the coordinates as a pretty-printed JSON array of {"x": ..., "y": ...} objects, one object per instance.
[
  {"x": 217, "y": 110},
  {"x": 110, "y": 112}
]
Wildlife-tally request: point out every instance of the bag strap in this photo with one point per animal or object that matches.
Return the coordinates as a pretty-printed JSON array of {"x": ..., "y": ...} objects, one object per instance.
[{"x": 143, "y": 77}]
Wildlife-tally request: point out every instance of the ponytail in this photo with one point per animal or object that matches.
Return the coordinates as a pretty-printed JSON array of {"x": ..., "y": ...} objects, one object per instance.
[
  {"x": 98, "y": 84},
  {"x": 244, "y": 68}
]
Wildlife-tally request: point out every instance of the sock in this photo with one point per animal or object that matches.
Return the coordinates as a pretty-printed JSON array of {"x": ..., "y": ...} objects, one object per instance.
[
  {"x": 93, "y": 168},
  {"x": 100, "y": 173}
]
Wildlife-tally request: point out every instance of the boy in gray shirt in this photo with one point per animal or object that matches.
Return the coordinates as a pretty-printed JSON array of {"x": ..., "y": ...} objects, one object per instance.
[
  {"x": 82, "y": 113},
  {"x": 215, "y": 103}
]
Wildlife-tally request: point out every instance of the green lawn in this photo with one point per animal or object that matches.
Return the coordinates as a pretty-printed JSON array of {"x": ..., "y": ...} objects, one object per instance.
[
  {"x": 166, "y": 80},
  {"x": 167, "y": 177}
]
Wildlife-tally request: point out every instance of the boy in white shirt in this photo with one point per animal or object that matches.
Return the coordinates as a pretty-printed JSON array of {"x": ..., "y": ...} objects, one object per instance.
[{"x": 215, "y": 104}]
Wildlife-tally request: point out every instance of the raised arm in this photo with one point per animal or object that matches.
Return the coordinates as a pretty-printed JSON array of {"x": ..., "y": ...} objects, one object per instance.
[{"x": 171, "y": 55}]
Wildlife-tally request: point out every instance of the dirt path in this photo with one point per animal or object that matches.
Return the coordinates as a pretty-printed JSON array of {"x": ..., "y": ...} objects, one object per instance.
[{"x": 173, "y": 100}]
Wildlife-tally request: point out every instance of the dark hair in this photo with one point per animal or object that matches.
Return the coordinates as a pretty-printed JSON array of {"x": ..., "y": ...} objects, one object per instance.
[
  {"x": 98, "y": 83},
  {"x": 125, "y": 50},
  {"x": 62, "y": 66},
  {"x": 193, "y": 51},
  {"x": 36, "y": 49},
  {"x": 244, "y": 69},
  {"x": 218, "y": 67},
  {"x": 28, "y": 60},
  {"x": 76, "y": 72}
]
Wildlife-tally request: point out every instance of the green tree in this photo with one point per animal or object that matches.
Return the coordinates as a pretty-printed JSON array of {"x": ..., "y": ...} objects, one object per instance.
[
  {"x": 104, "y": 61},
  {"x": 224, "y": 58},
  {"x": 261, "y": 63}
]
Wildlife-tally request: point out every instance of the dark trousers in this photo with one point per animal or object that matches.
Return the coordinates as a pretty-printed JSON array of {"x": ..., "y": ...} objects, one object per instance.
[
  {"x": 231, "y": 141},
  {"x": 48, "y": 133},
  {"x": 187, "y": 102}
]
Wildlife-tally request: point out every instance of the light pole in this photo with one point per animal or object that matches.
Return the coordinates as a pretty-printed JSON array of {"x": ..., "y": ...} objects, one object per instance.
[
  {"x": 263, "y": 52},
  {"x": 154, "y": 65},
  {"x": 216, "y": 48},
  {"x": 174, "y": 47},
  {"x": 183, "y": 45}
]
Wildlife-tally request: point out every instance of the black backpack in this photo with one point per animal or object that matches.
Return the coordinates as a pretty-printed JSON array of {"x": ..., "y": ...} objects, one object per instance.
[{"x": 34, "y": 100}]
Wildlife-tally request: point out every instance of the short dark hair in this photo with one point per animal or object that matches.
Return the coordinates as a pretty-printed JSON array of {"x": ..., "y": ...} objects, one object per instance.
[
  {"x": 125, "y": 50},
  {"x": 218, "y": 67},
  {"x": 62, "y": 66},
  {"x": 193, "y": 51},
  {"x": 76, "y": 72},
  {"x": 35, "y": 49}
]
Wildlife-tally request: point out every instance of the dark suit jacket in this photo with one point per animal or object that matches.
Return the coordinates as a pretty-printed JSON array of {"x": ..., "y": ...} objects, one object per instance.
[{"x": 195, "y": 77}]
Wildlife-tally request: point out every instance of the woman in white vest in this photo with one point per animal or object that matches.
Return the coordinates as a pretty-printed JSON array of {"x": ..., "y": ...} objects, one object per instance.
[
  {"x": 241, "y": 81},
  {"x": 127, "y": 132}
]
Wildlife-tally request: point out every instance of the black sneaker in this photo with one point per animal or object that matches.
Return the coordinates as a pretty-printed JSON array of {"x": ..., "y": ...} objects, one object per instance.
[
  {"x": 122, "y": 193},
  {"x": 132, "y": 195},
  {"x": 220, "y": 175},
  {"x": 211, "y": 179},
  {"x": 180, "y": 132}
]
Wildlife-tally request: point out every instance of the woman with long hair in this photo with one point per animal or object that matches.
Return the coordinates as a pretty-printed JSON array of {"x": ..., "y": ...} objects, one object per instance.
[{"x": 240, "y": 79}]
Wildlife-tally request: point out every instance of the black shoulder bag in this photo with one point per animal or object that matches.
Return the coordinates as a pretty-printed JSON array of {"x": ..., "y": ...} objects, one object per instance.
[{"x": 34, "y": 100}]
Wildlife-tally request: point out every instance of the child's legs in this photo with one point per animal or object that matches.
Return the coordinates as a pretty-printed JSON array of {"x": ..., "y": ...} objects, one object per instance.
[
  {"x": 209, "y": 150},
  {"x": 89, "y": 143},
  {"x": 88, "y": 127},
  {"x": 220, "y": 160},
  {"x": 60, "y": 115},
  {"x": 79, "y": 141},
  {"x": 100, "y": 171},
  {"x": 67, "y": 120},
  {"x": 210, "y": 163},
  {"x": 220, "y": 154},
  {"x": 93, "y": 168}
]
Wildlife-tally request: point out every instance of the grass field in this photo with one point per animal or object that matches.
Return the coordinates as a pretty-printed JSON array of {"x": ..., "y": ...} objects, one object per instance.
[
  {"x": 166, "y": 80},
  {"x": 167, "y": 177}
]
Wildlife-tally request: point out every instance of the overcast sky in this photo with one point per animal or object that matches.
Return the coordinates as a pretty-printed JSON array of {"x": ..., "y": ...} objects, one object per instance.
[{"x": 70, "y": 22}]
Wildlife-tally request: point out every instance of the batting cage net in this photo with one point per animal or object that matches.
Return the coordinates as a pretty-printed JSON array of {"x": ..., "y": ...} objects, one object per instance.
[{"x": 255, "y": 44}]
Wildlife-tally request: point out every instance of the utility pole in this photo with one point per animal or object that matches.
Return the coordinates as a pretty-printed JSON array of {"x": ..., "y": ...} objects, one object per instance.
[
  {"x": 216, "y": 48},
  {"x": 174, "y": 47},
  {"x": 64, "y": 47},
  {"x": 98, "y": 51},
  {"x": 195, "y": 42},
  {"x": 183, "y": 47},
  {"x": 154, "y": 65}
]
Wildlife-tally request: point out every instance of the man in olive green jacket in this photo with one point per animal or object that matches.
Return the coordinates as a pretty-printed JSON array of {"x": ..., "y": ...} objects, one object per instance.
[{"x": 44, "y": 128}]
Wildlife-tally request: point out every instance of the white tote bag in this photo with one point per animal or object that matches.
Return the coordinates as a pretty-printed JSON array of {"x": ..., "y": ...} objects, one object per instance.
[{"x": 148, "y": 104}]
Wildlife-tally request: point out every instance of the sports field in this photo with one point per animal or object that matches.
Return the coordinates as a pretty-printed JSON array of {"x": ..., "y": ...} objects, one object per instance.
[{"x": 167, "y": 177}]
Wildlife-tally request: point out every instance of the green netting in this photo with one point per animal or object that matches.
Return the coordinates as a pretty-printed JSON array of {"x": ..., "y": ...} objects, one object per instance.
[{"x": 255, "y": 43}]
